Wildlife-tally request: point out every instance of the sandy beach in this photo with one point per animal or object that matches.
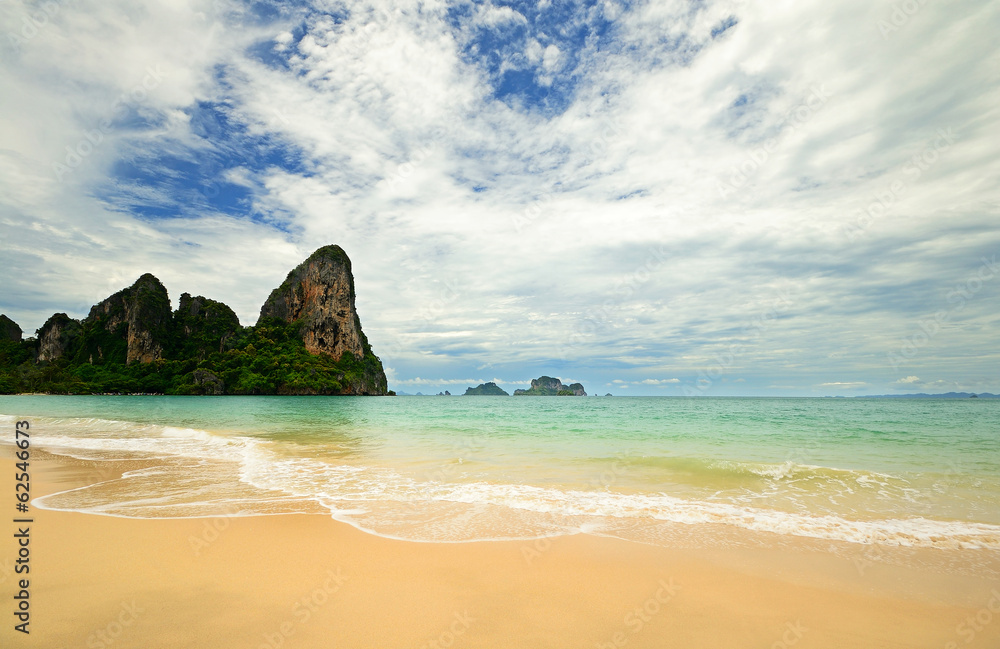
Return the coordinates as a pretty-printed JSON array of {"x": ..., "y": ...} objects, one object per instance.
[{"x": 309, "y": 581}]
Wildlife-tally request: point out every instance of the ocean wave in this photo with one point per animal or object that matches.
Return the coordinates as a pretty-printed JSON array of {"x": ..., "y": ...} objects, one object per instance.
[{"x": 207, "y": 473}]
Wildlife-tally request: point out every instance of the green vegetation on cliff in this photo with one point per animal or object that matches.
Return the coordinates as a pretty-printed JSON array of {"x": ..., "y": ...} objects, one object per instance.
[
  {"x": 308, "y": 340},
  {"x": 201, "y": 326},
  {"x": 546, "y": 386},
  {"x": 489, "y": 389},
  {"x": 267, "y": 359},
  {"x": 9, "y": 329}
]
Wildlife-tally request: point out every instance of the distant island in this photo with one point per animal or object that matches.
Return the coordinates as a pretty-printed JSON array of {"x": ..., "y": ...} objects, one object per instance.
[
  {"x": 543, "y": 386},
  {"x": 923, "y": 395},
  {"x": 489, "y": 389},
  {"x": 307, "y": 340},
  {"x": 546, "y": 386}
]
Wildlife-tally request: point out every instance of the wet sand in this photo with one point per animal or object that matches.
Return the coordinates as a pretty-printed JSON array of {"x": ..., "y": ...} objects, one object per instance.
[{"x": 309, "y": 581}]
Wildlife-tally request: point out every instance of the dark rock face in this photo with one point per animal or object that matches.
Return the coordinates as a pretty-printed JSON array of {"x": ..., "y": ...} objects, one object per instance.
[
  {"x": 139, "y": 314},
  {"x": 489, "y": 389},
  {"x": 319, "y": 295},
  {"x": 372, "y": 383},
  {"x": 546, "y": 386},
  {"x": 202, "y": 326},
  {"x": 208, "y": 382},
  {"x": 9, "y": 330},
  {"x": 308, "y": 341},
  {"x": 57, "y": 337}
]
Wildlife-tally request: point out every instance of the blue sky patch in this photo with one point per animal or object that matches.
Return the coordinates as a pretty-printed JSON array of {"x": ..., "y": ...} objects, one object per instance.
[
  {"x": 511, "y": 52},
  {"x": 171, "y": 180}
]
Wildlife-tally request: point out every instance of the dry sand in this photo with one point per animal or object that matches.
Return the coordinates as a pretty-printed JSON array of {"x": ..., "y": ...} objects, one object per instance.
[{"x": 302, "y": 581}]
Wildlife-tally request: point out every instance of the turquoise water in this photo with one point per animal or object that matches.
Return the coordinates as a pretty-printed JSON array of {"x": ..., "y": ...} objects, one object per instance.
[{"x": 898, "y": 472}]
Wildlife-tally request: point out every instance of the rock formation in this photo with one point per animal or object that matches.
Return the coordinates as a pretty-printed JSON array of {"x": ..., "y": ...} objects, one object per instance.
[
  {"x": 57, "y": 337},
  {"x": 9, "y": 330},
  {"x": 546, "y": 386},
  {"x": 319, "y": 294},
  {"x": 308, "y": 340},
  {"x": 202, "y": 326},
  {"x": 139, "y": 314},
  {"x": 208, "y": 382},
  {"x": 489, "y": 389}
]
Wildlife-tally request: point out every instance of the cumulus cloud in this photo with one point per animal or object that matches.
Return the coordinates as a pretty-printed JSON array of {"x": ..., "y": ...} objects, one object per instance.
[
  {"x": 971, "y": 383},
  {"x": 691, "y": 190},
  {"x": 492, "y": 15}
]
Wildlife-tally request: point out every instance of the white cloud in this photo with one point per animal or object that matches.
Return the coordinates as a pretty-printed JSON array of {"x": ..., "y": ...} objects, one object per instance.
[
  {"x": 422, "y": 381},
  {"x": 534, "y": 51},
  {"x": 492, "y": 15},
  {"x": 486, "y": 233},
  {"x": 551, "y": 62},
  {"x": 470, "y": 382},
  {"x": 941, "y": 385}
]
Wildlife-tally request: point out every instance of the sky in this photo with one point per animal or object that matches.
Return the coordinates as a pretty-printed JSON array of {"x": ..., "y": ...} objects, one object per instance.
[{"x": 652, "y": 198}]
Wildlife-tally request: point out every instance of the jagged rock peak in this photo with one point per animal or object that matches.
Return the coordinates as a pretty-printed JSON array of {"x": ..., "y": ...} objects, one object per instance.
[
  {"x": 142, "y": 313},
  {"x": 549, "y": 386},
  {"x": 201, "y": 309},
  {"x": 488, "y": 389},
  {"x": 319, "y": 294},
  {"x": 56, "y": 336},
  {"x": 202, "y": 326},
  {"x": 9, "y": 330}
]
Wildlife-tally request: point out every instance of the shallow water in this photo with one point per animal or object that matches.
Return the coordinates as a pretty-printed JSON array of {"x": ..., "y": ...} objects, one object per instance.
[{"x": 921, "y": 473}]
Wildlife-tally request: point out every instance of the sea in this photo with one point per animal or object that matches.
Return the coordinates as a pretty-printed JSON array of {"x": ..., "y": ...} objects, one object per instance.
[{"x": 921, "y": 473}]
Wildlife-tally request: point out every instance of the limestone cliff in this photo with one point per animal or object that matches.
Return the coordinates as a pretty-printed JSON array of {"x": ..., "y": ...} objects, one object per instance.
[
  {"x": 318, "y": 294},
  {"x": 9, "y": 330},
  {"x": 489, "y": 389},
  {"x": 56, "y": 337},
  {"x": 201, "y": 327},
  {"x": 308, "y": 341},
  {"x": 546, "y": 386},
  {"x": 139, "y": 316}
]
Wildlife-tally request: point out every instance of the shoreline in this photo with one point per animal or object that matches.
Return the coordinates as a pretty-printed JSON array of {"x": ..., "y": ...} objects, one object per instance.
[{"x": 304, "y": 580}]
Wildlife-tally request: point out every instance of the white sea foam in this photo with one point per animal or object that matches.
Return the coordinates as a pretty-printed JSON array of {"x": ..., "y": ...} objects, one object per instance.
[{"x": 204, "y": 473}]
